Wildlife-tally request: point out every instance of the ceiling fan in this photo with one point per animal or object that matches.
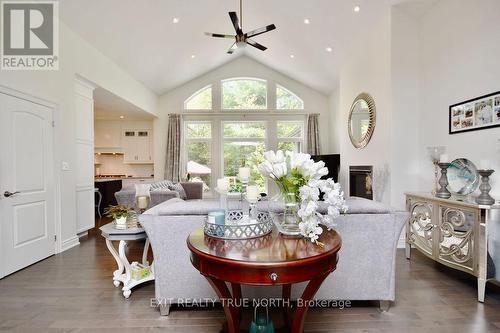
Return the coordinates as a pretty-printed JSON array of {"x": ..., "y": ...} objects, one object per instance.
[{"x": 241, "y": 39}]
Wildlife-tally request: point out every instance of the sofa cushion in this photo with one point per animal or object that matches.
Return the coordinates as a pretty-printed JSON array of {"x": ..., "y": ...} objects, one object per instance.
[{"x": 169, "y": 185}]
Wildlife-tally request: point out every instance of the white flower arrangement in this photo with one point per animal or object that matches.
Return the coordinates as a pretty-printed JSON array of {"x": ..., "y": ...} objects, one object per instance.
[{"x": 297, "y": 173}]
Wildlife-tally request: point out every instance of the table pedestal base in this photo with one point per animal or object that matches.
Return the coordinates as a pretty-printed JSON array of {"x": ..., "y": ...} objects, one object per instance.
[
  {"x": 294, "y": 319},
  {"x": 123, "y": 275}
]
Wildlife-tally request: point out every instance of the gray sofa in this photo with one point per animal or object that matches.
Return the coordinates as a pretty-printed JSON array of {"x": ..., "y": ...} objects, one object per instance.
[
  {"x": 366, "y": 268},
  {"x": 126, "y": 196}
]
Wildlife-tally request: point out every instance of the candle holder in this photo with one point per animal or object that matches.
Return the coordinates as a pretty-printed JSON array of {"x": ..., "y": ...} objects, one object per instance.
[
  {"x": 443, "y": 182},
  {"x": 485, "y": 198},
  {"x": 142, "y": 202}
]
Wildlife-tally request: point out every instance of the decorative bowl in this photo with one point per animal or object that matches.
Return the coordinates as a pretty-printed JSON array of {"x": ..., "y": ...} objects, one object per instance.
[{"x": 463, "y": 178}]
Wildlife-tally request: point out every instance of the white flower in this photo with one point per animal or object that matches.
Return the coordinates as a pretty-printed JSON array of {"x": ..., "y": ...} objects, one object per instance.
[
  {"x": 266, "y": 168},
  {"x": 273, "y": 157},
  {"x": 307, "y": 209},
  {"x": 279, "y": 169},
  {"x": 309, "y": 193},
  {"x": 297, "y": 160}
]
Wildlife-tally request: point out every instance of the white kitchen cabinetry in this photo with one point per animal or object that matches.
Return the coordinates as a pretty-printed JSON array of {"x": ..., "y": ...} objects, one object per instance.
[
  {"x": 137, "y": 146},
  {"x": 108, "y": 135}
]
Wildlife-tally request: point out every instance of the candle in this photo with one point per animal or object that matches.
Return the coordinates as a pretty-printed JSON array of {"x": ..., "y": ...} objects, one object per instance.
[
  {"x": 443, "y": 158},
  {"x": 244, "y": 174},
  {"x": 217, "y": 216},
  {"x": 484, "y": 165},
  {"x": 252, "y": 193},
  {"x": 223, "y": 184},
  {"x": 142, "y": 202}
]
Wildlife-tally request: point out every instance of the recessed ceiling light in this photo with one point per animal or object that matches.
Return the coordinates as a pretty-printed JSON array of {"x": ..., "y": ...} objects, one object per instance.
[
  {"x": 122, "y": 117},
  {"x": 357, "y": 9},
  {"x": 175, "y": 20},
  {"x": 292, "y": 56},
  {"x": 193, "y": 56},
  {"x": 307, "y": 21},
  {"x": 329, "y": 49}
]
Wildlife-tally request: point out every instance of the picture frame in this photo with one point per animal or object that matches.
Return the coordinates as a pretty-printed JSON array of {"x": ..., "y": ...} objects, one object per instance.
[{"x": 475, "y": 114}]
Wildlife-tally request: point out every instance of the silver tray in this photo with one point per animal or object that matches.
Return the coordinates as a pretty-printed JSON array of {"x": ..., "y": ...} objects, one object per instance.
[{"x": 237, "y": 227}]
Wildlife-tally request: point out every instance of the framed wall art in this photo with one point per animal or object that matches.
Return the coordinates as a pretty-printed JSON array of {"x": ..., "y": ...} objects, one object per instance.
[{"x": 475, "y": 114}]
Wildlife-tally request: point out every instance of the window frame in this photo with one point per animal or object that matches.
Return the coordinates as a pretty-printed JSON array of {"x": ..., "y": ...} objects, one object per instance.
[
  {"x": 243, "y": 78},
  {"x": 279, "y": 86},
  {"x": 209, "y": 141},
  {"x": 187, "y": 100},
  {"x": 300, "y": 140}
]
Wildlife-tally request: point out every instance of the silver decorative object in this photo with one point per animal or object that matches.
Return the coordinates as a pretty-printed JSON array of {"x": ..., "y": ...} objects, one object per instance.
[
  {"x": 443, "y": 182},
  {"x": 485, "y": 198},
  {"x": 435, "y": 153},
  {"x": 238, "y": 226}
]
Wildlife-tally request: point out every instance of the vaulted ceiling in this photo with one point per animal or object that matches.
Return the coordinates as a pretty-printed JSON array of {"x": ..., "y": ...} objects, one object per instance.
[{"x": 141, "y": 37}]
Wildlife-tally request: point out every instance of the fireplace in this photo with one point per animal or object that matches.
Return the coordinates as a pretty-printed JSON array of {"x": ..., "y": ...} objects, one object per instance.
[{"x": 361, "y": 181}]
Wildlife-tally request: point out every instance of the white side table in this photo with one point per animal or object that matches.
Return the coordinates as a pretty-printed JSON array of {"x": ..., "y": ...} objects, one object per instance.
[{"x": 124, "y": 272}]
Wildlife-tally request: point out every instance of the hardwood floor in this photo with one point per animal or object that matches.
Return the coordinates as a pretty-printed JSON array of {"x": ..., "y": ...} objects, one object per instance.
[{"x": 73, "y": 292}]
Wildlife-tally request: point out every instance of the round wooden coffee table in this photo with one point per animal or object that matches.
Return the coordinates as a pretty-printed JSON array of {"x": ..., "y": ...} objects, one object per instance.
[{"x": 266, "y": 261}]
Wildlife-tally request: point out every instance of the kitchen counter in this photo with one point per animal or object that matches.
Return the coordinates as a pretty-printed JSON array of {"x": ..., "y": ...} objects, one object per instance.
[{"x": 100, "y": 180}]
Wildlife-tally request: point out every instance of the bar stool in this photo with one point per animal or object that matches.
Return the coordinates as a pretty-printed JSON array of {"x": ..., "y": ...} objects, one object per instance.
[{"x": 98, "y": 205}]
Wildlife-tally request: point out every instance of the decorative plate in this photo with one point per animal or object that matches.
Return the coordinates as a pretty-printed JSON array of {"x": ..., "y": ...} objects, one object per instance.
[{"x": 463, "y": 178}]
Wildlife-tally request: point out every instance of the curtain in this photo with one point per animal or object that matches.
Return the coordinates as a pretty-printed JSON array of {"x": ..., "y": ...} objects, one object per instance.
[
  {"x": 313, "y": 134},
  {"x": 173, "y": 157}
]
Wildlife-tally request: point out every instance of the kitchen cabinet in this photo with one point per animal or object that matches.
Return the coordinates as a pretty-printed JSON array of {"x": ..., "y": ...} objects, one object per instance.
[
  {"x": 129, "y": 182},
  {"x": 108, "y": 135},
  {"x": 137, "y": 146}
]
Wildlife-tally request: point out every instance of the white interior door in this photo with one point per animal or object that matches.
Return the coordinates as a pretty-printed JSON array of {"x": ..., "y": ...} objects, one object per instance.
[{"x": 27, "y": 211}]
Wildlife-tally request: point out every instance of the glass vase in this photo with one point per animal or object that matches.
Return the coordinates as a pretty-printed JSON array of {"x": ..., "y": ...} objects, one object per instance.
[{"x": 288, "y": 220}]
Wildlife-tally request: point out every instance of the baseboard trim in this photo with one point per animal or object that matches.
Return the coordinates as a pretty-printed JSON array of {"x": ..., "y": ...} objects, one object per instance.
[{"x": 69, "y": 243}]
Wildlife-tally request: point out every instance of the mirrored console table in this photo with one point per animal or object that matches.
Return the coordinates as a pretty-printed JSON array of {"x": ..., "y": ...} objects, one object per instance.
[{"x": 459, "y": 234}]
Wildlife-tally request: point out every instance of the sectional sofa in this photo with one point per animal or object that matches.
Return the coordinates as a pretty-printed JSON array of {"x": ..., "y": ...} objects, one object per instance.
[{"x": 366, "y": 268}]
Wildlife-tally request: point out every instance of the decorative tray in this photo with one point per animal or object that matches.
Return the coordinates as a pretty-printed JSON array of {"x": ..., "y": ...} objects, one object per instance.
[{"x": 238, "y": 226}]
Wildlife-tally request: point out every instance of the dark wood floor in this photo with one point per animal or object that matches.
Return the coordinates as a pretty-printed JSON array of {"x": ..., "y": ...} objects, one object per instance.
[{"x": 73, "y": 292}]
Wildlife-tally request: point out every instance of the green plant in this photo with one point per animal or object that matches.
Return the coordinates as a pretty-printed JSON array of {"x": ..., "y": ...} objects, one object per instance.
[{"x": 118, "y": 211}]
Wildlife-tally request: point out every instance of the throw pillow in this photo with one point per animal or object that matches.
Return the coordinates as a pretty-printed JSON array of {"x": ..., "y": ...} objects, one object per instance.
[
  {"x": 179, "y": 189},
  {"x": 163, "y": 185}
]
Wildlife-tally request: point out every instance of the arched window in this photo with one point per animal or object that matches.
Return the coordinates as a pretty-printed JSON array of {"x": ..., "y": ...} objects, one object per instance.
[
  {"x": 244, "y": 94},
  {"x": 200, "y": 100},
  {"x": 286, "y": 100}
]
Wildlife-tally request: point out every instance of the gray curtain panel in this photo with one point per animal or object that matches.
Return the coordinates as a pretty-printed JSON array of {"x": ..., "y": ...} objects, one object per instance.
[
  {"x": 173, "y": 157},
  {"x": 313, "y": 146}
]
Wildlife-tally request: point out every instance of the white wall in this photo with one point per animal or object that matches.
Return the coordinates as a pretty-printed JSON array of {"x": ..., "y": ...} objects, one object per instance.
[
  {"x": 368, "y": 70},
  {"x": 405, "y": 128},
  {"x": 77, "y": 57},
  {"x": 173, "y": 101},
  {"x": 460, "y": 52}
]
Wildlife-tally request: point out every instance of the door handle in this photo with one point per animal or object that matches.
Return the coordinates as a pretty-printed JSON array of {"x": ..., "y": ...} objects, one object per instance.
[{"x": 9, "y": 194}]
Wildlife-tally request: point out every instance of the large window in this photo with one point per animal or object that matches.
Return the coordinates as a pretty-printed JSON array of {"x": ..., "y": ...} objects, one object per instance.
[
  {"x": 200, "y": 100},
  {"x": 290, "y": 135},
  {"x": 244, "y": 94},
  {"x": 244, "y": 146},
  {"x": 198, "y": 136},
  {"x": 225, "y": 136},
  {"x": 286, "y": 100}
]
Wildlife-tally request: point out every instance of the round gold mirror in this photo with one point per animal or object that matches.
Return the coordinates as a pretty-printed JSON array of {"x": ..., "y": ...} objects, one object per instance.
[{"x": 361, "y": 120}]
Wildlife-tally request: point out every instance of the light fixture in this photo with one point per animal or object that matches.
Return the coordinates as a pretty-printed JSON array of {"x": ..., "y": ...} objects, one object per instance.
[
  {"x": 357, "y": 9},
  {"x": 292, "y": 56},
  {"x": 122, "y": 117},
  {"x": 328, "y": 49},
  {"x": 307, "y": 21},
  {"x": 193, "y": 56},
  {"x": 175, "y": 20}
]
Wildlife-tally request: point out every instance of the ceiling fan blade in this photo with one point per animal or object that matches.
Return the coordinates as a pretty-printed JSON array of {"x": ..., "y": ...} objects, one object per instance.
[
  {"x": 256, "y": 45},
  {"x": 219, "y": 35},
  {"x": 232, "y": 48},
  {"x": 236, "y": 22},
  {"x": 259, "y": 31}
]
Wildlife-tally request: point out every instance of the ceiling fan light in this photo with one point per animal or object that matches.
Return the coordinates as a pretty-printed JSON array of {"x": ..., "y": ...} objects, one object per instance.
[{"x": 241, "y": 44}]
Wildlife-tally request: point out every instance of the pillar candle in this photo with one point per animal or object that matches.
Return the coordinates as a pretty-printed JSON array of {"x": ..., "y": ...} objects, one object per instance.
[
  {"x": 223, "y": 184},
  {"x": 244, "y": 173},
  {"x": 443, "y": 158},
  {"x": 252, "y": 193}
]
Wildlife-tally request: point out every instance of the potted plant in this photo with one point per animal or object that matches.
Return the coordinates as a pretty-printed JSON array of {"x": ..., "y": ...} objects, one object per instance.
[{"x": 120, "y": 214}]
